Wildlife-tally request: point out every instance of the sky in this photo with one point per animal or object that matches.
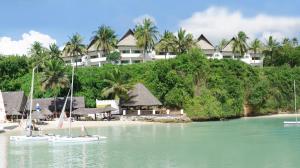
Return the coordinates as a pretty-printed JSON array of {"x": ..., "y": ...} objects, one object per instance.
[{"x": 53, "y": 21}]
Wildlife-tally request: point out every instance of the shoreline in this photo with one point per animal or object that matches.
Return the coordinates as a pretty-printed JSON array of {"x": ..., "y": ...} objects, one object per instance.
[{"x": 52, "y": 125}]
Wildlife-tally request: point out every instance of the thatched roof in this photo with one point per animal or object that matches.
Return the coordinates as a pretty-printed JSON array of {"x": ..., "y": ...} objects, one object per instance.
[
  {"x": 85, "y": 111},
  {"x": 204, "y": 44},
  {"x": 14, "y": 102},
  {"x": 38, "y": 115},
  {"x": 49, "y": 103},
  {"x": 141, "y": 96},
  {"x": 128, "y": 39}
]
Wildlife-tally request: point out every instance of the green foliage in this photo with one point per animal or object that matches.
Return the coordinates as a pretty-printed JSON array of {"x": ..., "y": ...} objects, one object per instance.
[
  {"x": 206, "y": 89},
  {"x": 113, "y": 57},
  {"x": 205, "y": 107}
]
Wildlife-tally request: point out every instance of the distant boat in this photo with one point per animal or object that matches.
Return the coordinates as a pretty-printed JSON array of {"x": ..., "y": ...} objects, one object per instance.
[
  {"x": 70, "y": 138},
  {"x": 296, "y": 122}
]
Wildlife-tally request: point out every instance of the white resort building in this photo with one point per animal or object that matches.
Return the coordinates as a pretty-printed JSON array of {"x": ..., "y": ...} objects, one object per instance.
[{"x": 130, "y": 53}]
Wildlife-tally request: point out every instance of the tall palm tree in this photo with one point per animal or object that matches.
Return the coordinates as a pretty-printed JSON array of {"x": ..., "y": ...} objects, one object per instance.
[
  {"x": 146, "y": 35},
  {"x": 240, "y": 43},
  {"x": 75, "y": 47},
  {"x": 105, "y": 39},
  {"x": 54, "y": 78},
  {"x": 270, "y": 47},
  {"x": 222, "y": 44},
  {"x": 117, "y": 86},
  {"x": 184, "y": 41},
  {"x": 54, "y": 52},
  {"x": 166, "y": 43},
  {"x": 38, "y": 54},
  {"x": 256, "y": 45}
]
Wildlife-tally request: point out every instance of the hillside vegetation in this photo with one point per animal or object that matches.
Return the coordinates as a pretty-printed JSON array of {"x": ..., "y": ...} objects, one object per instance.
[{"x": 206, "y": 89}]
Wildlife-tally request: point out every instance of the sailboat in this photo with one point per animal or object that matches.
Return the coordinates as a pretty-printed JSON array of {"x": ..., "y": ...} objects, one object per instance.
[
  {"x": 29, "y": 125},
  {"x": 296, "y": 122},
  {"x": 70, "y": 138}
]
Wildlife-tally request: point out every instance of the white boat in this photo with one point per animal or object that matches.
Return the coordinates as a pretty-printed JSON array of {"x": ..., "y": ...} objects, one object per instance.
[
  {"x": 29, "y": 126},
  {"x": 1, "y": 129},
  {"x": 31, "y": 138},
  {"x": 70, "y": 138},
  {"x": 296, "y": 122},
  {"x": 76, "y": 139}
]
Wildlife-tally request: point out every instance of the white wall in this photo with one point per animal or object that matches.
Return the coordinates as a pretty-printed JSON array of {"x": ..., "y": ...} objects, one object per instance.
[
  {"x": 2, "y": 109},
  {"x": 112, "y": 103}
]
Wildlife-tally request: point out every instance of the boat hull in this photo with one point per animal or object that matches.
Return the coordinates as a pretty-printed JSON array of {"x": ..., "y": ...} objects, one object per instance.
[
  {"x": 292, "y": 122},
  {"x": 67, "y": 139},
  {"x": 30, "y": 138}
]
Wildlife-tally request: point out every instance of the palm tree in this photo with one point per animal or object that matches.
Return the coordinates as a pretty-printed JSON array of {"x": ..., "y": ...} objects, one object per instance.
[
  {"x": 116, "y": 85},
  {"x": 240, "y": 43},
  {"x": 167, "y": 43},
  {"x": 105, "y": 39},
  {"x": 146, "y": 35},
  {"x": 184, "y": 41},
  {"x": 222, "y": 44},
  {"x": 74, "y": 47},
  {"x": 256, "y": 45},
  {"x": 38, "y": 55},
  {"x": 54, "y": 52},
  {"x": 54, "y": 77},
  {"x": 270, "y": 47}
]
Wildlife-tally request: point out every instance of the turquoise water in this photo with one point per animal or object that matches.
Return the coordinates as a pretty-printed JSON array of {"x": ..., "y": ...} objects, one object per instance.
[{"x": 243, "y": 143}]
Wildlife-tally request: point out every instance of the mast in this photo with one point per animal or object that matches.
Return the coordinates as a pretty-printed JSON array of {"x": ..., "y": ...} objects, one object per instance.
[
  {"x": 31, "y": 97},
  {"x": 295, "y": 95},
  {"x": 71, "y": 101}
]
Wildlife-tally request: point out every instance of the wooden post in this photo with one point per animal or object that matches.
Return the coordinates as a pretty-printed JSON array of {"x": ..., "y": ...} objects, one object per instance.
[
  {"x": 153, "y": 111},
  {"x": 139, "y": 112},
  {"x": 124, "y": 112}
]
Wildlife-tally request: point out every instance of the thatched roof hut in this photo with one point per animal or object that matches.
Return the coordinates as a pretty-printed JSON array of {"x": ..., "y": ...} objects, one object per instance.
[
  {"x": 140, "y": 96},
  {"x": 49, "y": 103},
  {"x": 14, "y": 102}
]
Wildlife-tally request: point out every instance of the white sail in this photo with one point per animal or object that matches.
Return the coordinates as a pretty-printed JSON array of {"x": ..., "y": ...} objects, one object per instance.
[
  {"x": 63, "y": 113},
  {"x": 2, "y": 108}
]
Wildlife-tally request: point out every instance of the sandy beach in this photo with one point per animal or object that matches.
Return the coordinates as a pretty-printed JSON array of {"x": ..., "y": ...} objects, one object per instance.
[
  {"x": 52, "y": 125},
  {"x": 283, "y": 115}
]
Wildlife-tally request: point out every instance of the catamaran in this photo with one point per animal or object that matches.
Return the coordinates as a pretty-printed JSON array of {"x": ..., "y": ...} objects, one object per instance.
[
  {"x": 29, "y": 126},
  {"x": 70, "y": 138},
  {"x": 295, "y": 108}
]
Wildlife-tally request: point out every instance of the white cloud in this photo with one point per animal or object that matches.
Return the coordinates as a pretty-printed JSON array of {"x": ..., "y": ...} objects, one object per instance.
[
  {"x": 219, "y": 22},
  {"x": 139, "y": 20},
  {"x": 9, "y": 46}
]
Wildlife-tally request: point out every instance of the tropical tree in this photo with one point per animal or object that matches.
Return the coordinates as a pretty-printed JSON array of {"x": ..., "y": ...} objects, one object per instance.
[
  {"x": 146, "y": 35},
  {"x": 38, "y": 54},
  {"x": 54, "y": 52},
  {"x": 116, "y": 85},
  {"x": 166, "y": 43},
  {"x": 256, "y": 45},
  {"x": 104, "y": 39},
  {"x": 270, "y": 48},
  {"x": 222, "y": 44},
  {"x": 75, "y": 47},
  {"x": 54, "y": 78},
  {"x": 240, "y": 43},
  {"x": 184, "y": 41}
]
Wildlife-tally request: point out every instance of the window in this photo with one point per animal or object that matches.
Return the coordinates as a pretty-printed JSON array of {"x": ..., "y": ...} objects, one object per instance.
[
  {"x": 125, "y": 51},
  {"x": 68, "y": 61},
  {"x": 136, "y": 61},
  {"x": 78, "y": 60},
  {"x": 124, "y": 62},
  {"x": 137, "y": 51},
  {"x": 94, "y": 56}
]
